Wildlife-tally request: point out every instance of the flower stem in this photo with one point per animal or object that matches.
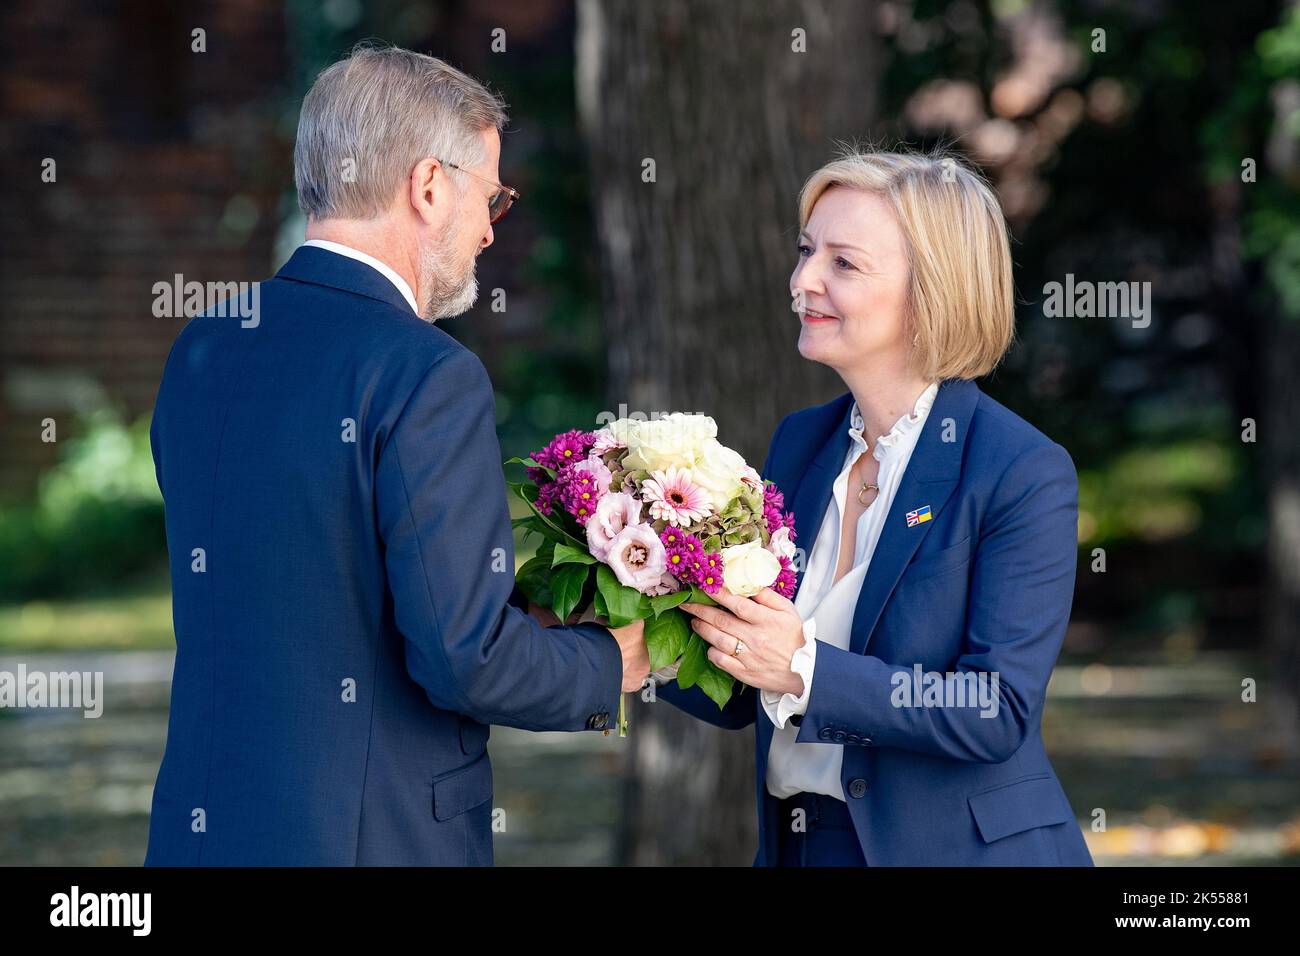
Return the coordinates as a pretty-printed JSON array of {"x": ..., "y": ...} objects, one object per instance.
[{"x": 622, "y": 716}]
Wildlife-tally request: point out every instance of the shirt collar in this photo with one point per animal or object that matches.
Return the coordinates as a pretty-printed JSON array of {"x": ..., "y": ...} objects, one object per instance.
[
  {"x": 381, "y": 267},
  {"x": 908, "y": 423}
]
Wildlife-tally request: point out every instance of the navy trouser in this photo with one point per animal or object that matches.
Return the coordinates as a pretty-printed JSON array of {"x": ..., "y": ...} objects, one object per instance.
[{"x": 828, "y": 838}]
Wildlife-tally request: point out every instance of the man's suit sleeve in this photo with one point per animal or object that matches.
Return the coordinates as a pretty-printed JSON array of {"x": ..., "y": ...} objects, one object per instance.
[
  {"x": 1021, "y": 589},
  {"x": 742, "y": 709},
  {"x": 443, "y": 517}
]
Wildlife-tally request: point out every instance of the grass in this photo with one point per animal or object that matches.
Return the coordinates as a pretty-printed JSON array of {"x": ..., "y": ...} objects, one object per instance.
[{"x": 138, "y": 619}]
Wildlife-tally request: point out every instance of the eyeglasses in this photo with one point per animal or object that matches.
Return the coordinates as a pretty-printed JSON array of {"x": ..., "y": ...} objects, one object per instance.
[{"x": 501, "y": 200}]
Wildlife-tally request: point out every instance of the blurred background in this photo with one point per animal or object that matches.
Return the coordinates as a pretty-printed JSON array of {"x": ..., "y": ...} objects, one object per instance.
[{"x": 1139, "y": 141}]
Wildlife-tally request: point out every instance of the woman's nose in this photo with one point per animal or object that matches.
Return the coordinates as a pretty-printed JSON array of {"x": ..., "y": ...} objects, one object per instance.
[{"x": 806, "y": 280}]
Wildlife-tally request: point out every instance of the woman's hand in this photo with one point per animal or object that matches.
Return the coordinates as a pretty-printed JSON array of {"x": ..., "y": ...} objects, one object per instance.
[{"x": 770, "y": 628}]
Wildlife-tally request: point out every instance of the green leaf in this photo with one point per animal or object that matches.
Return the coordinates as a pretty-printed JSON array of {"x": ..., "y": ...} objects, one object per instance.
[
  {"x": 694, "y": 661},
  {"x": 525, "y": 489},
  {"x": 698, "y": 669},
  {"x": 666, "y": 637},
  {"x": 554, "y": 531},
  {"x": 567, "y": 554},
  {"x": 623, "y": 605},
  {"x": 566, "y": 587},
  {"x": 666, "y": 602},
  {"x": 716, "y": 684},
  {"x": 530, "y": 525},
  {"x": 534, "y": 579},
  {"x": 701, "y": 597}
]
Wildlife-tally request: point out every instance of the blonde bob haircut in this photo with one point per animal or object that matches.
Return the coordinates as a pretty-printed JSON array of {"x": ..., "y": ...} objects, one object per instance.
[{"x": 960, "y": 301}]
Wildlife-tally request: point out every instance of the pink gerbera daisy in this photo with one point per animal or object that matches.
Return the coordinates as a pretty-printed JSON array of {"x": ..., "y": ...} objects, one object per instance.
[{"x": 674, "y": 497}]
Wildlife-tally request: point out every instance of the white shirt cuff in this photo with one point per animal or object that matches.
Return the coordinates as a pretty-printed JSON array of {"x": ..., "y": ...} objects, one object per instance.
[{"x": 781, "y": 707}]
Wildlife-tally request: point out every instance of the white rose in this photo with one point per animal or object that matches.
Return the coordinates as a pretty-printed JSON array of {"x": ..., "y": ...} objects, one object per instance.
[
  {"x": 672, "y": 440},
  {"x": 748, "y": 568},
  {"x": 719, "y": 471},
  {"x": 780, "y": 544}
]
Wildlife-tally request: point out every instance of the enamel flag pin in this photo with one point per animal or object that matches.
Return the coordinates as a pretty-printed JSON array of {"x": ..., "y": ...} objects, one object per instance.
[{"x": 918, "y": 516}]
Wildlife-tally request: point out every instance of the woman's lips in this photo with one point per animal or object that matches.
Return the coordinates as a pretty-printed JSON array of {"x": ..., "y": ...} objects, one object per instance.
[{"x": 816, "y": 318}]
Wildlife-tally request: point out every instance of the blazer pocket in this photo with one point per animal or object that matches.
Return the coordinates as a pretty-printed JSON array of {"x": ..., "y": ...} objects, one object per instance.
[
  {"x": 1033, "y": 801},
  {"x": 462, "y": 789},
  {"x": 953, "y": 556}
]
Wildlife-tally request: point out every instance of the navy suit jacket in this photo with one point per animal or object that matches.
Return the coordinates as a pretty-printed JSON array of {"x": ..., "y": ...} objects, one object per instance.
[
  {"x": 341, "y": 564},
  {"x": 985, "y": 585}
]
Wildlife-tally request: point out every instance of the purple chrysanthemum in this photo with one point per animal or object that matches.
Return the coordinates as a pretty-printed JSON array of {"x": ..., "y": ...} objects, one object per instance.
[
  {"x": 685, "y": 554},
  {"x": 786, "y": 581},
  {"x": 773, "y": 503},
  {"x": 579, "y": 492},
  {"x": 565, "y": 448},
  {"x": 710, "y": 575}
]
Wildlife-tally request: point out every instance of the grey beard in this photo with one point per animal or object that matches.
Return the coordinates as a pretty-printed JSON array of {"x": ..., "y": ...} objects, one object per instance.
[{"x": 449, "y": 295}]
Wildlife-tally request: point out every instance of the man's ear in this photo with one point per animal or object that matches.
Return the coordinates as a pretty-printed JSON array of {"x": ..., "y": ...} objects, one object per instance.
[{"x": 429, "y": 193}]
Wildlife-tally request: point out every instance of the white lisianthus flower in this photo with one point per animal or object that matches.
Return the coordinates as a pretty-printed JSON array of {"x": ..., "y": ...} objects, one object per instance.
[
  {"x": 748, "y": 568},
  {"x": 675, "y": 439},
  {"x": 719, "y": 470}
]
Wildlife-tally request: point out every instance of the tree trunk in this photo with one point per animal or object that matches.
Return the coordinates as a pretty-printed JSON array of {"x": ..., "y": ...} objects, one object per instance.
[
  {"x": 1279, "y": 412},
  {"x": 702, "y": 120},
  {"x": 1283, "y": 444}
]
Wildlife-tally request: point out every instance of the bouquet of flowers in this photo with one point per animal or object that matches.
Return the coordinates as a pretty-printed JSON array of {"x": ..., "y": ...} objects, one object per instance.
[{"x": 639, "y": 517}]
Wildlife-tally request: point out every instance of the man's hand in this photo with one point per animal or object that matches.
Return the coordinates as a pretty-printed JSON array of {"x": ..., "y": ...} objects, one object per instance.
[
  {"x": 542, "y": 615},
  {"x": 636, "y": 658},
  {"x": 631, "y": 642}
]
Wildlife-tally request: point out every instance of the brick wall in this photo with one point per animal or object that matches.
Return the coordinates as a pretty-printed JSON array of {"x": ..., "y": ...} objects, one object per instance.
[{"x": 167, "y": 160}]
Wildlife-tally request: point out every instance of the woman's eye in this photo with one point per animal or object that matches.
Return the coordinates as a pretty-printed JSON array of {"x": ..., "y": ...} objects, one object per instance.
[
  {"x": 843, "y": 263},
  {"x": 804, "y": 250}
]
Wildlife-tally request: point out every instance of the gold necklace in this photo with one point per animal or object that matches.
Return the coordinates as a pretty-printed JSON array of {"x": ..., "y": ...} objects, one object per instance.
[{"x": 867, "y": 486}]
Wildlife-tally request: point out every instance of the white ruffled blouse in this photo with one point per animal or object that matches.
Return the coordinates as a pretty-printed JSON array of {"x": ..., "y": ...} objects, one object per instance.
[{"x": 827, "y": 608}]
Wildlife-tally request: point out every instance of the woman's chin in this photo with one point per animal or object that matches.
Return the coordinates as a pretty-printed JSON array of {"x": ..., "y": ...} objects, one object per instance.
[{"x": 815, "y": 345}]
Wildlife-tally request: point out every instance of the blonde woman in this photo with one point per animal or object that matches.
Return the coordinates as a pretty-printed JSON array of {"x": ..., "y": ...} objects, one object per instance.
[{"x": 898, "y": 698}]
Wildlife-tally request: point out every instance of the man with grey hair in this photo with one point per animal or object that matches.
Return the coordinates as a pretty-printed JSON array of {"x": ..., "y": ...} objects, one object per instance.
[{"x": 341, "y": 552}]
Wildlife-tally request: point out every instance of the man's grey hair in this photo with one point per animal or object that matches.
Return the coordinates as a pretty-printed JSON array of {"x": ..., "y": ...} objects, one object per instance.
[{"x": 368, "y": 119}]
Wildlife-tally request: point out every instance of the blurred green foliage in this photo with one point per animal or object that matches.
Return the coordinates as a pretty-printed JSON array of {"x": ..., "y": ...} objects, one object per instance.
[
  {"x": 1151, "y": 190},
  {"x": 97, "y": 519}
]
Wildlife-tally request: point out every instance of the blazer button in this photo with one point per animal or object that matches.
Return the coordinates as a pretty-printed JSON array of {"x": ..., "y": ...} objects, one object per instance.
[
  {"x": 824, "y": 733},
  {"x": 857, "y": 788},
  {"x": 597, "y": 721},
  {"x": 853, "y": 738},
  {"x": 839, "y": 736}
]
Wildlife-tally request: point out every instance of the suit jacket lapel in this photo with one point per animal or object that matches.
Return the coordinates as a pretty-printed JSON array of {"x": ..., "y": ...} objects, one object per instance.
[{"x": 932, "y": 473}]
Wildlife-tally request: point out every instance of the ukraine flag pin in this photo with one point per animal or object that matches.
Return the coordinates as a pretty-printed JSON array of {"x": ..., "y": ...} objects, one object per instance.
[{"x": 918, "y": 516}]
